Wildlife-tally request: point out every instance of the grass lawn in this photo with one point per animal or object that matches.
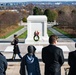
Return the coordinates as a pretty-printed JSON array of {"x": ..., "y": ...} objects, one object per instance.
[
  {"x": 10, "y": 30},
  {"x": 49, "y": 32},
  {"x": 63, "y": 32},
  {"x": 24, "y": 35}
]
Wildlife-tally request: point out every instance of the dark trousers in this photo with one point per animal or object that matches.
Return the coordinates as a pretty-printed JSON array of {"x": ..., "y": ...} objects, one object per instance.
[
  {"x": 48, "y": 72},
  {"x": 14, "y": 56}
]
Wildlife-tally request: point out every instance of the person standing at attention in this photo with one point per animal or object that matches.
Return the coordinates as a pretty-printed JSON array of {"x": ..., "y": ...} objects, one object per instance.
[
  {"x": 53, "y": 57},
  {"x": 16, "y": 48}
]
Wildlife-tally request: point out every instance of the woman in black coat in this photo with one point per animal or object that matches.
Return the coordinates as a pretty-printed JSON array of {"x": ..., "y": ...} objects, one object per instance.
[
  {"x": 16, "y": 48},
  {"x": 30, "y": 63}
]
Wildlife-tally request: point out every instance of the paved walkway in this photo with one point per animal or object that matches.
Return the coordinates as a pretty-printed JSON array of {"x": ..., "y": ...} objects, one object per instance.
[
  {"x": 14, "y": 68},
  {"x": 62, "y": 38}
]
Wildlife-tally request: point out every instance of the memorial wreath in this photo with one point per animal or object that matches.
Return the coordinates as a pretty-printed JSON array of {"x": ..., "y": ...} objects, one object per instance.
[{"x": 36, "y": 38}]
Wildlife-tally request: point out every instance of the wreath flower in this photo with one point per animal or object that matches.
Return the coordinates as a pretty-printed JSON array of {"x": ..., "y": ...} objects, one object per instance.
[{"x": 36, "y": 36}]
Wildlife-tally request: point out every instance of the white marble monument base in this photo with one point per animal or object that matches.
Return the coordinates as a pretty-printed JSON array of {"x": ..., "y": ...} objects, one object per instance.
[
  {"x": 30, "y": 41},
  {"x": 38, "y": 48},
  {"x": 9, "y": 49},
  {"x": 37, "y": 26},
  {"x": 64, "y": 48}
]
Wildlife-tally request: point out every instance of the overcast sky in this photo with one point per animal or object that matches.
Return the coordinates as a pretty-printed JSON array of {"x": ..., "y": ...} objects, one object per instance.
[{"x": 31, "y": 0}]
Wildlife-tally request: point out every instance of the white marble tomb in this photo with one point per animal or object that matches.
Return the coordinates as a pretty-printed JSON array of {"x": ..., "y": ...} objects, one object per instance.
[{"x": 37, "y": 23}]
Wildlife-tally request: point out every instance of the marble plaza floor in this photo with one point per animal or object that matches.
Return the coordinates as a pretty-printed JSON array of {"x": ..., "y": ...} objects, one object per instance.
[{"x": 14, "y": 67}]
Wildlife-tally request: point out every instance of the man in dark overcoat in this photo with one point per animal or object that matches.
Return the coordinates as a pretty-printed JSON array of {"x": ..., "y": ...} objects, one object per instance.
[
  {"x": 3, "y": 64},
  {"x": 72, "y": 62},
  {"x": 53, "y": 57}
]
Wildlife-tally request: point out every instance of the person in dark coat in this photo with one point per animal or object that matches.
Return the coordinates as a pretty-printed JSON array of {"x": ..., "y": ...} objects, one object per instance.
[
  {"x": 72, "y": 62},
  {"x": 3, "y": 64},
  {"x": 30, "y": 63},
  {"x": 16, "y": 48},
  {"x": 53, "y": 57}
]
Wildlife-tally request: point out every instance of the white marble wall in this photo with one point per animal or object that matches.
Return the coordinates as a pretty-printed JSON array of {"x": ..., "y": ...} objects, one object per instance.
[{"x": 37, "y": 23}]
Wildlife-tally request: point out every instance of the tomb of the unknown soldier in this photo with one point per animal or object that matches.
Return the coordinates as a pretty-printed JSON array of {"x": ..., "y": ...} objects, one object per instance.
[{"x": 36, "y": 24}]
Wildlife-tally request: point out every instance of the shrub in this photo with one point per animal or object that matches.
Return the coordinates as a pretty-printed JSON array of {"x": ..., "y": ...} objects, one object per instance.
[{"x": 24, "y": 19}]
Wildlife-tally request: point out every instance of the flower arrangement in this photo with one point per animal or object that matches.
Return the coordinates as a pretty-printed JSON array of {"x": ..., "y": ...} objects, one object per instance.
[{"x": 36, "y": 36}]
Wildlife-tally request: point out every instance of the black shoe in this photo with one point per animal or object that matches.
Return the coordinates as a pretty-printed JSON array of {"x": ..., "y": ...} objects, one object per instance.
[{"x": 13, "y": 58}]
